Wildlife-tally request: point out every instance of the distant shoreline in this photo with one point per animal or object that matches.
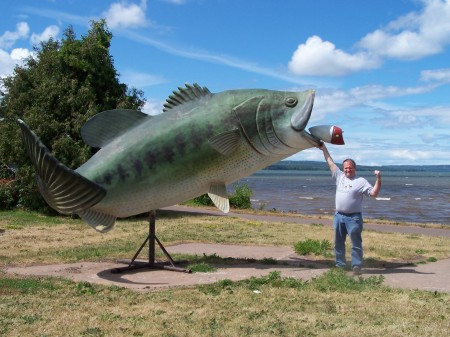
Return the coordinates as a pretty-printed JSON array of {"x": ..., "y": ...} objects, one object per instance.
[{"x": 322, "y": 166}]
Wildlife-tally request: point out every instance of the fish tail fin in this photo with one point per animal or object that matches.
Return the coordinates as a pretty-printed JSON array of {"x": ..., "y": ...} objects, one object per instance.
[{"x": 63, "y": 189}]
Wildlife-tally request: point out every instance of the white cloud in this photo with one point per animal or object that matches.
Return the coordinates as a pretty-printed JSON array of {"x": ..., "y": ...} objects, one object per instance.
[
  {"x": 9, "y": 60},
  {"x": 334, "y": 100},
  {"x": 125, "y": 15},
  {"x": 49, "y": 32},
  {"x": 6, "y": 63},
  {"x": 211, "y": 58},
  {"x": 414, "y": 35},
  {"x": 380, "y": 151},
  {"x": 434, "y": 138},
  {"x": 140, "y": 80},
  {"x": 438, "y": 75},
  {"x": 410, "y": 37},
  {"x": 8, "y": 39},
  {"x": 153, "y": 107},
  {"x": 19, "y": 54},
  {"x": 406, "y": 155},
  {"x": 437, "y": 117},
  {"x": 321, "y": 58}
]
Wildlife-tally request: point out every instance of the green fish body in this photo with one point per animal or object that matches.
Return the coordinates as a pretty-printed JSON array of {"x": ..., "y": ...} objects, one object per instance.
[{"x": 201, "y": 143}]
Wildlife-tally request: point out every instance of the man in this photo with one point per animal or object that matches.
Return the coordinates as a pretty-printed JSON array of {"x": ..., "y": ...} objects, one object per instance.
[{"x": 348, "y": 220}]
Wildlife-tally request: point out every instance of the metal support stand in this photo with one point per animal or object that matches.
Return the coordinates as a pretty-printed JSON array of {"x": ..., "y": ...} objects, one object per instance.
[{"x": 151, "y": 238}]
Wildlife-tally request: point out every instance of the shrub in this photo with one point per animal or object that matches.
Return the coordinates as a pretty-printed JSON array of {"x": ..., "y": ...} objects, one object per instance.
[
  {"x": 7, "y": 196},
  {"x": 239, "y": 199},
  {"x": 202, "y": 200}
]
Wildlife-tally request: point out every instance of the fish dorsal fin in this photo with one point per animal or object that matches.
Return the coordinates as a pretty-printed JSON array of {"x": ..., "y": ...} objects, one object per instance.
[
  {"x": 105, "y": 126},
  {"x": 226, "y": 142},
  {"x": 184, "y": 95},
  {"x": 219, "y": 196}
]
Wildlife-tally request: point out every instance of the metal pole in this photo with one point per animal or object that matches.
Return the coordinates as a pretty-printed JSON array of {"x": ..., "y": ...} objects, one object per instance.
[
  {"x": 151, "y": 237},
  {"x": 133, "y": 265}
]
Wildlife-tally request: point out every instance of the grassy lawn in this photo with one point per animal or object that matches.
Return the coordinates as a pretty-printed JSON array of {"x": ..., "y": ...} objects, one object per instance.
[{"x": 333, "y": 304}]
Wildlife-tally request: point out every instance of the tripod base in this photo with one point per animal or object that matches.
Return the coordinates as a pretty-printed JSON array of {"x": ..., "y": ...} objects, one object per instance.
[{"x": 134, "y": 264}]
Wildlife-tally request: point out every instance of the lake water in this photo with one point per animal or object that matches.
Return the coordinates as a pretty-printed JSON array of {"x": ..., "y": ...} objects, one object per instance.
[{"x": 404, "y": 196}]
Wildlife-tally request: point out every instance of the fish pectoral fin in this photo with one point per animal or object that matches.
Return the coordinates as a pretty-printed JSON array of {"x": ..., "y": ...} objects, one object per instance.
[
  {"x": 63, "y": 189},
  {"x": 105, "y": 126},
  {"x": 219, "y": 196},
  {"x": 101, "y": 222},
  {"x": 226, "y": 142}
]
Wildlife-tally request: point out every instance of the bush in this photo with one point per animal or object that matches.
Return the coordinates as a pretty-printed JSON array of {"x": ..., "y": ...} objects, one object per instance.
[
  {"x": 7, "y": 199},
  {"x": 8, "y": 189},
  {"x": 239, "y": 199},
  {"x": 55, "y": 93},
  {"x": 202, "y": 200}
]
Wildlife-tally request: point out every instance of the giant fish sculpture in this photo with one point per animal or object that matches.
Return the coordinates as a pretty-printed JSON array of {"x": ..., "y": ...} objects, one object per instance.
[{"x": 201, "y": 143}]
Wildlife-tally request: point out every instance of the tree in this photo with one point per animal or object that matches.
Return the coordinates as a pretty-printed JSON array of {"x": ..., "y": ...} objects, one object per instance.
[{"x": 55, "y": 93}]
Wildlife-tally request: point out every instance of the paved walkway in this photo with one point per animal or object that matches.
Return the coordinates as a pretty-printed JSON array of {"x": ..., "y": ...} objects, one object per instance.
[{"x": 433, "y": 276}]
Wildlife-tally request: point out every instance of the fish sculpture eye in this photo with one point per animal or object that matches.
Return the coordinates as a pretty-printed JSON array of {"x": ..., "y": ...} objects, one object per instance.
[{"x": 290, "y": 101}]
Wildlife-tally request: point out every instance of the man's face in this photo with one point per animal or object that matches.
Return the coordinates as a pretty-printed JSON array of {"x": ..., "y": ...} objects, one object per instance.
[{"x": 349, "y": 169}]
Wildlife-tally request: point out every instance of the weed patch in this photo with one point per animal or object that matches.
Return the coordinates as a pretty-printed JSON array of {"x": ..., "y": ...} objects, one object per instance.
[
  {"x": 316, "y": 247},
  {"x": 336, "y": 279},
  {"x": 201, "y": 268}
]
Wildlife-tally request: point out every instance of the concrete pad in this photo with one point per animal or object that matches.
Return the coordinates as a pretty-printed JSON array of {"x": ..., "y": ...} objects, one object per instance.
[
  {"x": 233, "y": 251},
  {"x": 433, "y": 276},
  {"x": 145, "y": 279}
]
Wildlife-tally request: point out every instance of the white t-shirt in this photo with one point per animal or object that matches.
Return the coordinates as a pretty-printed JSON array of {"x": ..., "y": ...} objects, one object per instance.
[{"x": 350, "y": 192}]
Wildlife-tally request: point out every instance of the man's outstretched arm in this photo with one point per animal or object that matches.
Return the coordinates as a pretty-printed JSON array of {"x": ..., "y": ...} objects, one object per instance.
[{"x": 328, "y": 158}]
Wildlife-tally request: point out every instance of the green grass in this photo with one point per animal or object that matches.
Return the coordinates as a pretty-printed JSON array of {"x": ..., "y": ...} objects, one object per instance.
[
  {"x": 26, "y": 285},
  {"x": 333, "y": 304},
  {"x": 20, "y": 219}
]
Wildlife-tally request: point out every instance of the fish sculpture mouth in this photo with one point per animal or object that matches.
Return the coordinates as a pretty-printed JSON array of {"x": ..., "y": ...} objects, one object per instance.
[{"x": 300, "y": 118}]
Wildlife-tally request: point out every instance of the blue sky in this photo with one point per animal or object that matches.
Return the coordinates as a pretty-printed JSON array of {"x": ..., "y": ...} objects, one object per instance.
[{"x": 380, "y": 68}]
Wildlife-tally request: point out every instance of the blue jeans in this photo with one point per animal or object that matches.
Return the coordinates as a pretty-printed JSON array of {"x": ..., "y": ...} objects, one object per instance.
[{"x": 351, "y": 225}]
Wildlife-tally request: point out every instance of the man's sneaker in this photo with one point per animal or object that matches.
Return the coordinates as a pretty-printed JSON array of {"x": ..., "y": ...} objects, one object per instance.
[{"x": 356, "y": 271}]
